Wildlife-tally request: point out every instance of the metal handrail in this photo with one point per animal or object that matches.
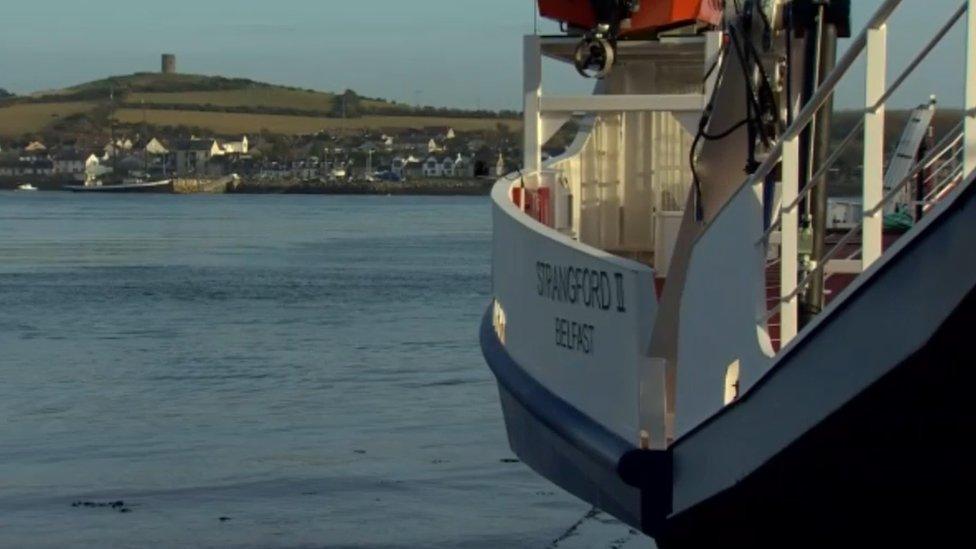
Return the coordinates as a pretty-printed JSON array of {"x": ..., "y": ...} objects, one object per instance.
[
  {"x": 956, "y": 175},
  {"x": 829, "y": 163},
  {"x": 948, "y": 169},
  {"x": 832, "y": 159},
  {"x": 819, "y": 268},
  {"x": 937, "y": 152}
]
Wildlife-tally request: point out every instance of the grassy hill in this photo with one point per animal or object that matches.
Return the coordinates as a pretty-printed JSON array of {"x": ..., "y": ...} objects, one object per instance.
[{"x": 220, "y": 105}]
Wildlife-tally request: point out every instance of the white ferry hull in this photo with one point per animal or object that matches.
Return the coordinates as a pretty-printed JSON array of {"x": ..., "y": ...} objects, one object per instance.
[
  {"x": 564, "y": 445},
  {"x": 861, "y": 430}
]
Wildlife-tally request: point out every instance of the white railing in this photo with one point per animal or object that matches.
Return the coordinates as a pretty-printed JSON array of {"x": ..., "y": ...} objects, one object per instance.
[
  {"x": 626, "y": 178},
  {"x": 952, "y": 160}
]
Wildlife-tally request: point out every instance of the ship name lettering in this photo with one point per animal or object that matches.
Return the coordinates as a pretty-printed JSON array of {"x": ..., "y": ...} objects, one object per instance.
[
  {"x": 575, "y": 336},
  {"x": 590, "y": 288}
]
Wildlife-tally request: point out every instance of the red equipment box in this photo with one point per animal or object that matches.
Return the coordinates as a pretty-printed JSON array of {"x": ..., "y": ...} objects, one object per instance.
[{"x": 653, "y": 14}]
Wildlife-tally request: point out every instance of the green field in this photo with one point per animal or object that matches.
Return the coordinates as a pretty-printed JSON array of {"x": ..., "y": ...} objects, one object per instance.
[
  {"x": 240, "y": 123},
  {"x": 224, "y": 106},
  {"x": 275, "y": 98},
  {"x": 27, "y": 118},
  {"x": 254, "y": 98}
]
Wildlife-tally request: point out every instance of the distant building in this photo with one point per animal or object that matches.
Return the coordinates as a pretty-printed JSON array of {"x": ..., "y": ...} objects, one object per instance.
[
  {"x": 35, "y": 147},
  {"x": 236, "y": 147},
  {"x": 406, "y": 167},
  {"x": 463, "y": 167},
  {"x": 447, "y": 167},
  {"x": 69, "y": 163},
  {"x": 432, "y": 167},
  {"x": 169, "y": 63},
  {"x": 156, "y": 147},
  {"x": 192, "y": 155},
  {"x": 117, "y": 148},
  {"x": 25, "y": 167}
]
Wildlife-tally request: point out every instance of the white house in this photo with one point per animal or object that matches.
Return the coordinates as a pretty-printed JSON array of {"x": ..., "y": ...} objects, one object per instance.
[
  {"x": 405, "y": 167},
  {"x": 447, "y": 167},
  {"x": 463, "y": 167},
  {"x": 118, "y": 147},
  {"x": 35, "y": 147},
  {"x": 236, "y": 147},
  {"x": 69, "y": 163},
  {"x": 433, "y": 167},
  {"x": 192, "y": 155},
  {"x": 155, "y": 147},
  {"x": 433, "y": 147},
  {"x": 18, "y": 167},
  {"x": 94, "y": 168}
]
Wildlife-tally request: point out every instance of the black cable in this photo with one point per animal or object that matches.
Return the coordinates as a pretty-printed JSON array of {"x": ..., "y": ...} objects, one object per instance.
[
  {"x": 766, "y": 90},
  {"x": 722, "y": 135},
  {"x": 752, "y": 105}
]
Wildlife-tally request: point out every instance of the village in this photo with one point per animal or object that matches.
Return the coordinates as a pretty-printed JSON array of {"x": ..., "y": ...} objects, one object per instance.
[{"x": 322, "y": 159}]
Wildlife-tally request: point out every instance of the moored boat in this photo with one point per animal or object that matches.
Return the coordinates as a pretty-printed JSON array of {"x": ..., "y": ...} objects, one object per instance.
[
  {"x": 706, "y": 355},
  {"x": 163, "y": 186}
]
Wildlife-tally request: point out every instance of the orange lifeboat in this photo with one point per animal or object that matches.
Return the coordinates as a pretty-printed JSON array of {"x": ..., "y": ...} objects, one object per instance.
[{"x": 646, "y": 16}]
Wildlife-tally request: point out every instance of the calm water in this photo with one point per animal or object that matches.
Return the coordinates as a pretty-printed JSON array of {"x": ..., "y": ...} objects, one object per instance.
[{"x": 304, "y": 367}]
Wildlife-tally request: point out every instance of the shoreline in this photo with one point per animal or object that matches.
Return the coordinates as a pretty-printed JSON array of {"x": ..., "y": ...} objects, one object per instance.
[
  {"x": 417, "y": 187},
  {"x": 420, "y": 187}
]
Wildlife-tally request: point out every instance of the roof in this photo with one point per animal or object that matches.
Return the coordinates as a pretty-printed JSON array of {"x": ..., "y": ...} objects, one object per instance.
[{"x": 194, "y": 145}]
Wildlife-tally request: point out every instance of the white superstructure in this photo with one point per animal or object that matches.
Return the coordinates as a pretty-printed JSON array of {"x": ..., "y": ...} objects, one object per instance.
[{"x": 647, "y": 293}]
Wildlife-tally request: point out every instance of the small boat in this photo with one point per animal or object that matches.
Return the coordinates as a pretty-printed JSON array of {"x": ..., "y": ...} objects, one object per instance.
[
  {"x": 163, "y": 186},
  {"x": 26, "y": 187}
]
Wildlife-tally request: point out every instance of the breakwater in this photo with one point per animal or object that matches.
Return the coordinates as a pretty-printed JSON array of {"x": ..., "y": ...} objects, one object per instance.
[{"x": 203, "y": 185}]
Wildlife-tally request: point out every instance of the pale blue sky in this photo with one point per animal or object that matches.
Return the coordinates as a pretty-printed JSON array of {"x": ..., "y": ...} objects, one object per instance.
[{"x": 445, "y": 52}]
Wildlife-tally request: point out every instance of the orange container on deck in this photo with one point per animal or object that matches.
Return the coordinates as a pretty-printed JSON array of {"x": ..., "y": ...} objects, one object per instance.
[{"x": 653, "y": 14}]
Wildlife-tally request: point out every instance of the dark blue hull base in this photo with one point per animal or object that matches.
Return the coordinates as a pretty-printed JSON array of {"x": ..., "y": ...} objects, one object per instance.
[
  {"x": 894, "y": 466},
  {"x": 567, "y": 466},
  {"x": 573, "y": 451}
]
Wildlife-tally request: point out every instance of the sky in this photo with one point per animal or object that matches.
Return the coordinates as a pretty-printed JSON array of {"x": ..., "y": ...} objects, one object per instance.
[{"x": 456, "y": 53}]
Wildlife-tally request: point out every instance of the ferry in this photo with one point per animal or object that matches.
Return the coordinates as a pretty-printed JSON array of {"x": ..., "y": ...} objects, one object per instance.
[
  {"x": 692, "y": 328},
  {"x": 26, "y": 187}
]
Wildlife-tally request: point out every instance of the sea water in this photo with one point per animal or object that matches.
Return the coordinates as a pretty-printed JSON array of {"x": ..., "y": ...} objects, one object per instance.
[{"x": 258, "y": 371}]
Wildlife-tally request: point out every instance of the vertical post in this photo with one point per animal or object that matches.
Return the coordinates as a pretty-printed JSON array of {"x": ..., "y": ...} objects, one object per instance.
[
  {"x": 969, "y": 162},
  {"x": 713, "y": 52},
  {"x": 874, "y": 123},
  {"x": 790, "y": 229},
  {"x": 532, "y": 84}
]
